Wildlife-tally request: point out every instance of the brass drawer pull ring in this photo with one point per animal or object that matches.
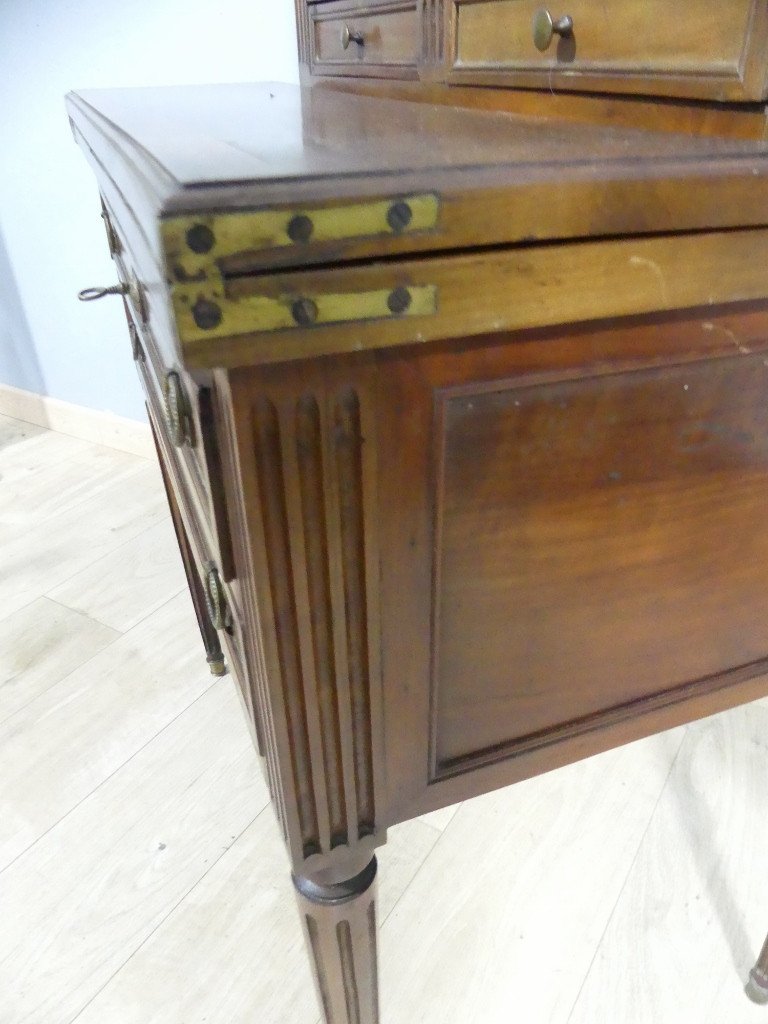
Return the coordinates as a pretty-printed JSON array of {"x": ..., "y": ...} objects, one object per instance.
[
  {"x": 91, "y": 294},
  {"x": 349, "y": 36},
  {"x": 177, "y": 415},
  {"x": 215, "y": 598},
  {"x": 545, "y": 27}
]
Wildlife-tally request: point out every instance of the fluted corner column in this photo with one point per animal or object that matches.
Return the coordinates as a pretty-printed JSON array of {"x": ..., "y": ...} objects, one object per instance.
[
  {"x": 340, "y": 930},
  {"x": 757, "y": 986}
]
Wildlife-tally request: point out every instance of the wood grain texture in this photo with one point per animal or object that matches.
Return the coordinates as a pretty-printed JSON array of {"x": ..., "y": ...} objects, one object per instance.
[
  {"x": 227, "y": 946},
  {"x": 714, "y": 793},
  {"x": 158, "y": 662},
  {"x": 389, "y": 29},
  {"x": 500, "y": 290},
  {"x": 341, "y": 932},
  {"x": 417, "y": 526},
  {"x": 470, "y": 545},
  {"x": 240, "y": 913},
  {"x": 476, "y": 160},
  {"x": 702, "y": 50},
  {"x": 40, "y": 644},
  {"x": 77, "y": 534},
  {"x": 100, "y": 882},
  {"x": 585, "y": 586},
  {"x": 643, "y": 112},
  {"x": 516, "y": 894},
  {"x": 432, "y": 38},
  {"x": 126, "y": 585}
]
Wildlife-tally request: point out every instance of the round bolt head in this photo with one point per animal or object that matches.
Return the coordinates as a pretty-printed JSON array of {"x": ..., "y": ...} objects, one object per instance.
[
  {"x": 399, "y": 216},
  {"x": 200, "y": 238},
  {"x": 304, "y": 312},
  {"x": 399, "y": 300},
  {"x": 300, "y": 228},
  {"x": 206, "y": 314}
]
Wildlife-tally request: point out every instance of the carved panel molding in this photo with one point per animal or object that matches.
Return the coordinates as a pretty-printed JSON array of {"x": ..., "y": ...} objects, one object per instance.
[{"x": 314, "y": 482}]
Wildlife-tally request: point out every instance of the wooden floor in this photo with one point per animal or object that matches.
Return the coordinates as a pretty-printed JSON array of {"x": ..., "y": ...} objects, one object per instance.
[{"x": 142, "y": 879}]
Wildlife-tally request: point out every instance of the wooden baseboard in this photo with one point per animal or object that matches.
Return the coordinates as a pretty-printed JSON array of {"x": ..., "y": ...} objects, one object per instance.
[{"x": 78, "y": 421}]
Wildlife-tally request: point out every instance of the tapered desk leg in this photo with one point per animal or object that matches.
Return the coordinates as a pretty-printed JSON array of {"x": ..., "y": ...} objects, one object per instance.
[
  {"x": 757, "y": 986},
  {"x": 339, "y": 923}
]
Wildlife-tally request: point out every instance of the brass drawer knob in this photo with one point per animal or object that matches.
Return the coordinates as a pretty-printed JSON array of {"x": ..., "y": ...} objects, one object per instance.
[
  {"x": 216, "y": 599},
  {"x": 348, "y": 36},
  {"x": 177, "y": 415},
  {"x": 545, "y": 27}
]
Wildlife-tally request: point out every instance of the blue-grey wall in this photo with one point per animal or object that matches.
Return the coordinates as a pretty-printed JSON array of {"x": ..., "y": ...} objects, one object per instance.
[
  {"x": 18, "y": 358},
  {"x": 51, "y": 236}
]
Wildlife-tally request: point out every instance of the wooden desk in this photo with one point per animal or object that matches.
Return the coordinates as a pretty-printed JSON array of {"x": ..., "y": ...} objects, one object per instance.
[{"x": 464, "y": 426}]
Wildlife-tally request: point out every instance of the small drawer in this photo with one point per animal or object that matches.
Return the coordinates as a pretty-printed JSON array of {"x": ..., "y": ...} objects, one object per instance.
[
  {"x": 222, "y": 601},
  {"x": 185, "y": 415},
  {"x": 696, "y": 48},
  {"x": 352, "y": 39}
]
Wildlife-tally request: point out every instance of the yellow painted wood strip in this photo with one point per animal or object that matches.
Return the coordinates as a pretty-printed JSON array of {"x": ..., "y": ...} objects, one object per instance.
[
  {"x": 265, "y": 313},
  {"x": 231, "y": 234}
]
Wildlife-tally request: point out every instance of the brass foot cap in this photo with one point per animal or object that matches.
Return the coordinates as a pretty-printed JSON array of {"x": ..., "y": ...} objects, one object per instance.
[
  {"x": 218, "y": 667},
  {"x": 756, "y": 990}
]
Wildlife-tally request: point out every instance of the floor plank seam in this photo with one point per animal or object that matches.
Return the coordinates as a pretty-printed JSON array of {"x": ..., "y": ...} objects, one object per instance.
[
  {"x": 182, "y": 589},
  {"x": 166, "y": 916},
  {"x": 440, "y": 837},
  {"x": 77, "y": 668},
  {"x": 87, "y": 661},
  {"x": 651, "y": 816},
  {"x": 119, "y": 768}
]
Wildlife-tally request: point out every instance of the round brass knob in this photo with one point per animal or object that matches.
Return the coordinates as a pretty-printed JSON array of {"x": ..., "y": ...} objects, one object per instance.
[
  {"x": 348, "y": 36},
  {"x": 177, "y": 414},
  {"x": 215, "y": 598},
  {"x": 545, "y": 27}
]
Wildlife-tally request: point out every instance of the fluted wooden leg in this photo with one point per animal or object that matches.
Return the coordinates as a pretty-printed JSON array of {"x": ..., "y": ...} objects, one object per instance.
[
  {"x": 757, "y": 986},
  {"x": 339, "y": 923}
]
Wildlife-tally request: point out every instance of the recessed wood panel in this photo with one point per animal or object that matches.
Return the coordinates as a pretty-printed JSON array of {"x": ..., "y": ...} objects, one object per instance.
[
  {"x": 656, "y": 35},
  {"x": 381, "y": 35},
  {"x": 599, "y": 541},
  {"x": 697, "y": 48}
]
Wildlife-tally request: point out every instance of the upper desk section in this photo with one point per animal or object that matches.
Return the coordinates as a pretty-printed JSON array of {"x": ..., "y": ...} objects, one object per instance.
[
  {"x": 286, "y": 220},
  {"x": 703, "y": 49}
]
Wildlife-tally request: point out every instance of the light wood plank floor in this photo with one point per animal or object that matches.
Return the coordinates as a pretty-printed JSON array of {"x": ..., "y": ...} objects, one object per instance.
[{"x": 142, "y": 878}]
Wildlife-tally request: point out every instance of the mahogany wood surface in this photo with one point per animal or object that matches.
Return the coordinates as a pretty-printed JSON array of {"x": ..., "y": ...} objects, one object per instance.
[
  {"x": 696, "y": 49},
  {"x": 380, "y": 39},
  {"x": 463, "y": 547},
  {"x": 732, "y": 120}
]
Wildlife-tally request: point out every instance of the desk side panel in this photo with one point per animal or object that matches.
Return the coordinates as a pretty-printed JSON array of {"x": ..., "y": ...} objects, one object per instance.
[{"x": 573, "y": 544}]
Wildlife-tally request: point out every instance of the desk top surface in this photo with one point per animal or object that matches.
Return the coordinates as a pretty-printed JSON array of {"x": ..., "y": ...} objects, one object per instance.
[
  {"x": 245, "y": 164},
  {"x": 197, "y": 136}
]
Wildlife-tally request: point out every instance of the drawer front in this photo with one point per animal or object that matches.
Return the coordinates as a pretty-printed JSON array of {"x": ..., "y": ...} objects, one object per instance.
[
  {"x": 694, "y": 48},
  {"x": 357, "y": 40},
  {"x": 203, "y": 557},
  {"x": 186, "y": 416}
]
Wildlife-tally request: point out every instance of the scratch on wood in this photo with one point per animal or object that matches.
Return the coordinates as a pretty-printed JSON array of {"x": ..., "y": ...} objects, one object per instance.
[{"x": 642, "y": 261}]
